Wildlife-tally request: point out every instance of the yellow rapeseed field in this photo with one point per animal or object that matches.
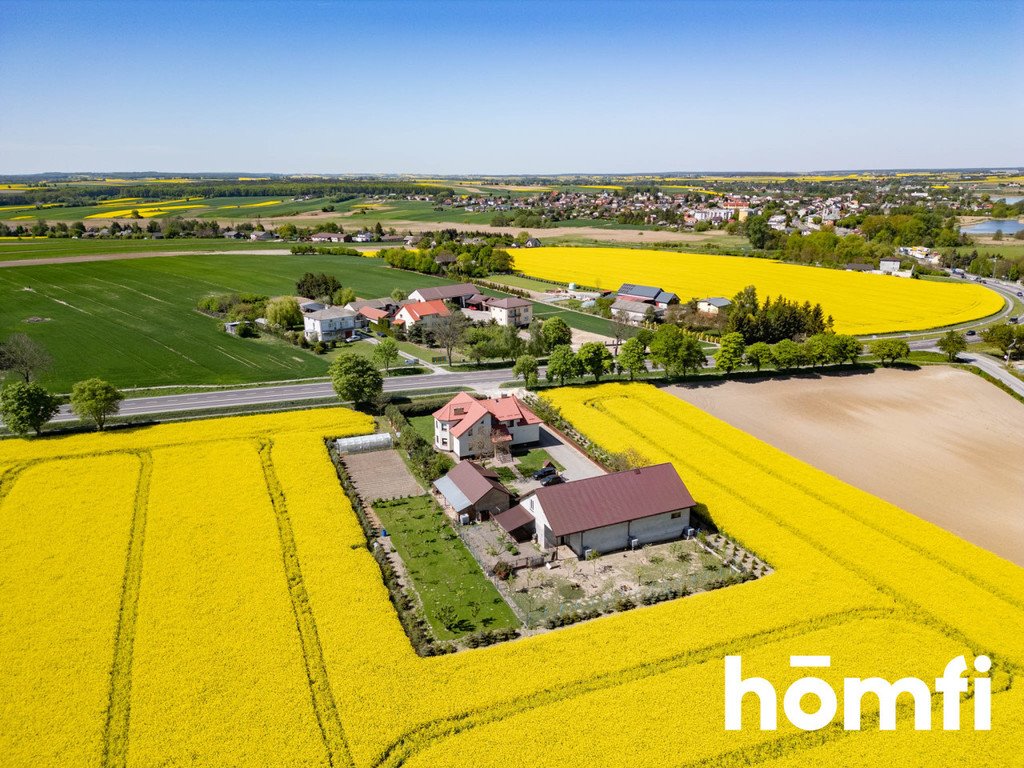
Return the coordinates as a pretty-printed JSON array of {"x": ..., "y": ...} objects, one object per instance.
[
  {"x": 859, "y": 303},
  {"x": 236, "y": 617}
]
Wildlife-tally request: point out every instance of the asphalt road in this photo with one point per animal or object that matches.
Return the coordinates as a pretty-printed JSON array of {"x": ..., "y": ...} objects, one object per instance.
[{"x": 230, "y": 398}]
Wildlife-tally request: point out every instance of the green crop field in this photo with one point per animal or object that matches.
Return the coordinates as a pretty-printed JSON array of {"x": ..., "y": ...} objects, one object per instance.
[
  {"x": 134, "y": 322},
  {"x": 54, "y": 247}
]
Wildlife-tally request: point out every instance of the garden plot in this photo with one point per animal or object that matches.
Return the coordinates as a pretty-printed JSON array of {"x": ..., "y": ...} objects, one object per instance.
[{"x": 381, "y": 475}]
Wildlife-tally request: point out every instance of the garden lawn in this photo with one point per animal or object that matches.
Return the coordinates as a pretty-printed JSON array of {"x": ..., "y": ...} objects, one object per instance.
[
  {"x": 424, "y": 425},
  {"x": 443, "y": 571}
]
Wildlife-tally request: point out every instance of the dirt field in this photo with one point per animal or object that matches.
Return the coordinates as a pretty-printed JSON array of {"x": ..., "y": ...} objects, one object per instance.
[
  {"x": 940, "y": 443},
  {"x": 381, "y": 475}
]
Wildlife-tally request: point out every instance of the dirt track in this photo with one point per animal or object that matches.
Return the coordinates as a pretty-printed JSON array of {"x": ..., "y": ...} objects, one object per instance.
[{"x": 941, "y": 443}]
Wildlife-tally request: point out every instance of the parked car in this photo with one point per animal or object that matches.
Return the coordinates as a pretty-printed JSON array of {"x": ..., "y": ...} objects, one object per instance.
[
  {"x": 972, "y": 332},
  {"x": 1013, "y": 320},
  {"x": 1020, "y": 294},
  {"x": 543, "y": 472},
  {"x": 552, "y": 480}
]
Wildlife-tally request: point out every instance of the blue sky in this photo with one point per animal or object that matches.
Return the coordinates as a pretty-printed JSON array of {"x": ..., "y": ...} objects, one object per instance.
[{"x": 518, "y": 87}]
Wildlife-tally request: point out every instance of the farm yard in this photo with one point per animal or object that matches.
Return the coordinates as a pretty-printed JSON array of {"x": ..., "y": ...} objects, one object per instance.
[
  {"x": 860, "y": 303},
  {"x": 253, "y": 628}
]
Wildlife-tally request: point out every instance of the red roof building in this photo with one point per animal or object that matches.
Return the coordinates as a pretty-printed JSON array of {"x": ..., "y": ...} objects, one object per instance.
[
  {"x": 470, "y": 427},
  {"x": 621, "y": 510}
]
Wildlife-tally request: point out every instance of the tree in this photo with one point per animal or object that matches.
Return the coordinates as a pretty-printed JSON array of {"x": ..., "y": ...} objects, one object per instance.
[
  {"x": 952, "y": 344},
  {"x": 284, "y": 312},
  {"x": 787, "y": 354},
  {"x": 621, "y": 329},
  {"x": 759, "y": 233},
  {"x": 386, "y": 353},
  {"x": 1001, "y": 336},
  {"x": 536, "y": 346},
  {"x": 633, "y": 357},
  {"x": 730, "y": 352},
  {"x": 510, "y": 344},
  {"x": 317, "y": 286},
  {"x": 556, "y": 333},
  {"x": 25, "y": 407},
  {"x": 676, "y": 351},
  {"x": 95, "y": 400},
  {"x": 890, "y": 350},
  {"x": 343, "y": 296},
  {"x": 563, "y": 364},
  {"x": 24, "y": 356},
  {"x": 759, "y": 354},
  {"x": 526, "y": 366},
  {"x": 399, "y": 295},
  {"x": 847, "y": 348},
  {"x": 595, "y": 359},
  {"x": 448, "y": 332},
  {"x": 356, "y": 379}
]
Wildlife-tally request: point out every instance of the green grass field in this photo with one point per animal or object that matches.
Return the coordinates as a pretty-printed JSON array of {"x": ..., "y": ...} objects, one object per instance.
[
  {"x": 57, "y": 247},
  {"x": 443, "y": 571},
  {"x": 134, "y": 322}
]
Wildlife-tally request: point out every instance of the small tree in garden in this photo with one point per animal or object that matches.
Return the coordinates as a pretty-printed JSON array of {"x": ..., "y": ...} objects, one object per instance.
[{"x": 526, "y": 367}]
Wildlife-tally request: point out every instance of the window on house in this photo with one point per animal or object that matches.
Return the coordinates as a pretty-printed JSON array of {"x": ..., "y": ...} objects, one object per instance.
[{"x": 676, "y": 515}]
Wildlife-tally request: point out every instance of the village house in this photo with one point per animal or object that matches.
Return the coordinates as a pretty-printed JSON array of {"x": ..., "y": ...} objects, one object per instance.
[
  {"x": 470, "y": 427},
  {"x": 309, "y": 305},
  {"x": 426, "y": 312},
  {"x": 634, "y": 311},
  {"x": 459, "y": 294},
  {"x": 257, "y": 235},
  {"x": 623, "y": 510},
  {"x": 889, "y": 265},
  {"x": 327, "y": 237},
  {"x": 510, "y": 311},
  {"x": 330, "y": 324},
  {"x": 713, "y": 305},
  {"x": 473, "y": 490},
  {"x": 647, "y": 294}
]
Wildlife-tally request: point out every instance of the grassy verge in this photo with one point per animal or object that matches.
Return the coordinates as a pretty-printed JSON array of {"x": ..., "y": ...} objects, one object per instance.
[{"x": 457, "y": 598}]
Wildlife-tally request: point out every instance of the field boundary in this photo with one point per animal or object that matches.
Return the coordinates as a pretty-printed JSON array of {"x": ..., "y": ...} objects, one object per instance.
[
  {"x": 116, "y": 727},
  {"x": 324, "y": 705}
]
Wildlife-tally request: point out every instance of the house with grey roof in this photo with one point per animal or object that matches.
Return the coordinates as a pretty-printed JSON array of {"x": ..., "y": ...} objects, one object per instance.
[
  {"x": 713, "y": 305},
  {"x": 647, "y": 294},
  {"x": 329, "y": 324}
]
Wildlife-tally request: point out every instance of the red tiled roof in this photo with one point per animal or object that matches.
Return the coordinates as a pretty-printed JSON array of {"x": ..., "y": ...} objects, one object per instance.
[
  {"x": 426, "y": 308},
  {"x": 372, "y": 313},
  {"x": 468, "y": 411},
  {"x": 595, "y": 502}
]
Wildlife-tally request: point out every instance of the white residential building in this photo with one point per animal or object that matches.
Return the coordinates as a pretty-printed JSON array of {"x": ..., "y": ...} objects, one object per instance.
[
  {"x": 330, "y": 324},
  {"x": 470, "y": 427}
]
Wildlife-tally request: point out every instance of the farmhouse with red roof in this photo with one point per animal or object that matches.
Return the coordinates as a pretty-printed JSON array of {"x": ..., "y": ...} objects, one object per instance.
[{"x": 470, "y": 427}]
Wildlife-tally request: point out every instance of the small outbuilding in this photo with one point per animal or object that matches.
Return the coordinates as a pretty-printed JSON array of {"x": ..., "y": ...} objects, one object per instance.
[{"x": 474, "y": 490}]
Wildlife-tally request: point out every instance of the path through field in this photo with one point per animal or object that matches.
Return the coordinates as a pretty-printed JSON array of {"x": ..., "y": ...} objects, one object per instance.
[{"x": 941, "y": 443}]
